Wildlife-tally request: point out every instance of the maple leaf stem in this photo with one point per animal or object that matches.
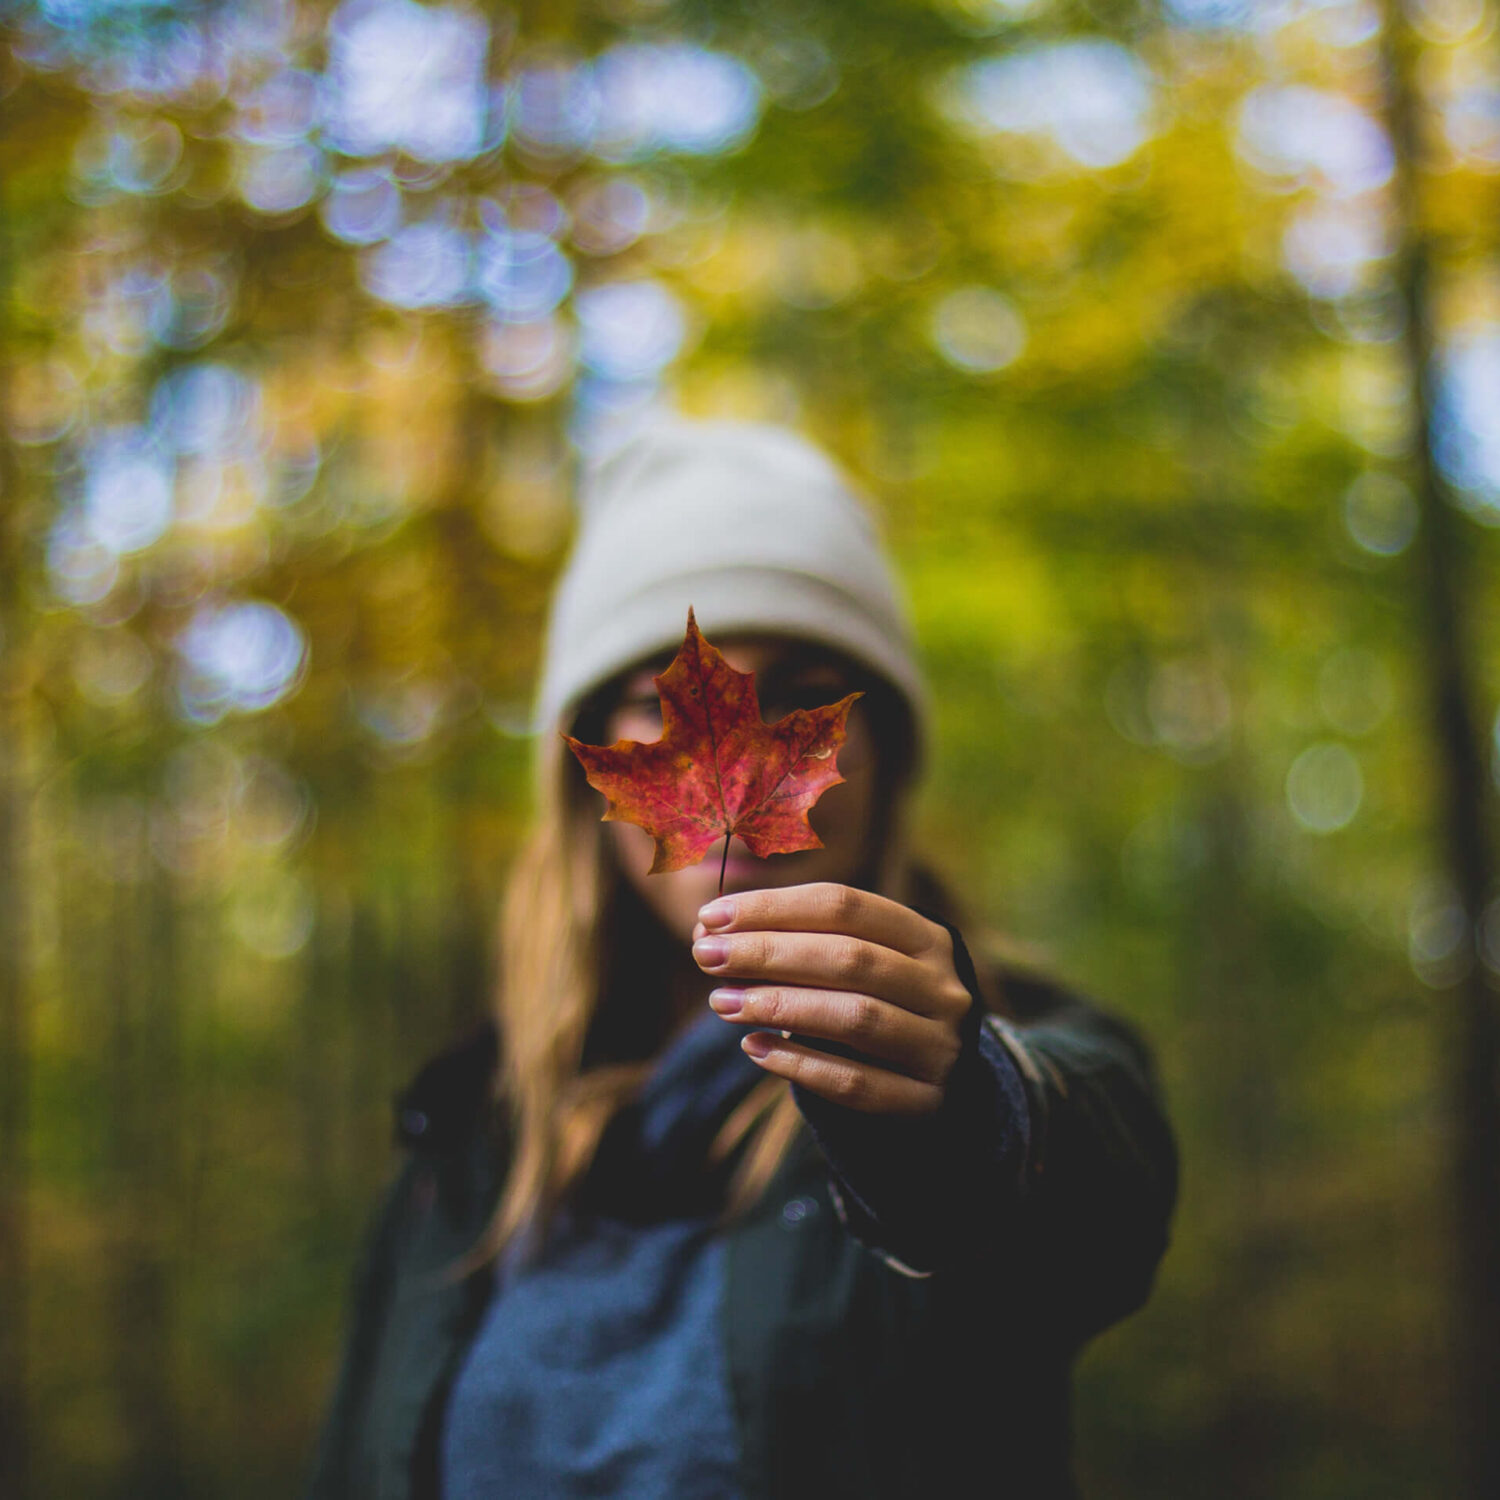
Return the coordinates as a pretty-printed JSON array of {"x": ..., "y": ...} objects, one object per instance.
[{"x": 723, "y": 864}]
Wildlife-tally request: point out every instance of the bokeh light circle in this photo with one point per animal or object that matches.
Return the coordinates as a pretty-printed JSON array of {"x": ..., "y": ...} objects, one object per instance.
[
  {"x": 362, "y": 206},
  {"x": 629, "y": 330},
  {"x": 127, "y": 490},
  {"x": 978, "y": 329},
  {"x": 1324, "y": 787},
  {"x": 421, "y": 265},
  {"x": 238, "y": 657},
  {"x": 1380, "y": 513}
]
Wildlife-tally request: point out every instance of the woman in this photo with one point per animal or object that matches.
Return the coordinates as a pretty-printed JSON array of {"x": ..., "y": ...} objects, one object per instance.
[{"x": 767, "y": 1194}]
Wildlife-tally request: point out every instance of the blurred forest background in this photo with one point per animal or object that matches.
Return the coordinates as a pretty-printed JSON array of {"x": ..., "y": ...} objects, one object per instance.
[{"x": 1167, "y": 338}]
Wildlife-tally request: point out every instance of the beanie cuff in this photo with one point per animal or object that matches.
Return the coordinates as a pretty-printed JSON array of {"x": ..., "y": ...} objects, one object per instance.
[{"x": 733, "y": 601}]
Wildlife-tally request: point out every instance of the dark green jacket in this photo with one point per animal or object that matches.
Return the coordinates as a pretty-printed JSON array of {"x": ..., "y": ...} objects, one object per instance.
[{"x": 851, "y": 1377}]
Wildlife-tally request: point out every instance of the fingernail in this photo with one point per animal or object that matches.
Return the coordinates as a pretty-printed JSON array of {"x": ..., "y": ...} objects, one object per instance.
[
  {"x": 710, "y": 952},
  {"x": 727, "y": 1002},
  {"x": 717, "y": 914},
  {"x": 757, "y": 1044}
]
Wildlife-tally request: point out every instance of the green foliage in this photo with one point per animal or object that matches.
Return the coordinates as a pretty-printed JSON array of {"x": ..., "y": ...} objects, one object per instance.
[{"x": 1140, "y": 451}]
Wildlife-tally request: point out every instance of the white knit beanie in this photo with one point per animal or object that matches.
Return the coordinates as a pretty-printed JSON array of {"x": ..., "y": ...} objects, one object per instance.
[{"x": 750, "y": 525}]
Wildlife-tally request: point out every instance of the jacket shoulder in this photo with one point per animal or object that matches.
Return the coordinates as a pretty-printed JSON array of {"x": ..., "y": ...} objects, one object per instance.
[{"x": 451, "y": 1093}]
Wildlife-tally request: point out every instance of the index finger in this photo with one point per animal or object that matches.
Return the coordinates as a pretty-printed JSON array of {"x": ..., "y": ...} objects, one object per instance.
[{"x": 825, "y": 907}]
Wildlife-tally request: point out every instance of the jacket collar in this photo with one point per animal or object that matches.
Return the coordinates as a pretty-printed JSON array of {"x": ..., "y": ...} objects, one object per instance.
[{"x": 441, "y": 1108}]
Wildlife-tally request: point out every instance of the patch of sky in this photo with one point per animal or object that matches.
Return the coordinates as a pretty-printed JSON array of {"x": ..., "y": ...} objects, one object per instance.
[
  {"x": 521, "y": 273},
  {"x": 1349, "y": 23},
  {"x": 609, "y": 215},
  {"x": 140, "y": 47},
  {"x": 1471, "y": 122},
  {"x": 1331, "y": 248},
  {"x": 1091, "y": 98},
  {"x": 87, "y": 15},
  {"x": 238, "y": 657},
  {"x": 280, "y": 179},
  {"x": 282, "y": 111},
  {"x": 206, "y": 408},
  {"x": 1339, "y": 23},
  {"x": 421, "y": 265},
  {"x": 1211, "y": 15},
  {"x": 673, "y": 96},
  {"x": 554, "y": 105},
  {"x": 125, "y": 502},
  {"x": 1466, "y": 421},
  {"x": 362, "y": 206},
  {"x": 155, "y": 51},
  {"x": 607, "y": 412},
  {"x": 1301, "y": 136},
  {"x": 407, "y": 77},
  {"x": 629, "y": 330}
]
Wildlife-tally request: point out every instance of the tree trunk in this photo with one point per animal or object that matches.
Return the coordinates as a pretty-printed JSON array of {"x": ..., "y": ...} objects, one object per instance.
[
  {"x": 1474, "y": 1031},
  {"x": 144, "y": 1123},
  {"x": 15, "y": 1014},
  {"x": 15, "y": 1079}
]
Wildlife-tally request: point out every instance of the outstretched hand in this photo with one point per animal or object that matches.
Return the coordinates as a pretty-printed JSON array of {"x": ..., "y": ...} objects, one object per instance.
[{"x": 840, "y": 965}]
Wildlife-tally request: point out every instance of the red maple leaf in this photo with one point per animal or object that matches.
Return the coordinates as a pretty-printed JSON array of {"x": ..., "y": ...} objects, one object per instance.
[{"x": 719, "y": 769}]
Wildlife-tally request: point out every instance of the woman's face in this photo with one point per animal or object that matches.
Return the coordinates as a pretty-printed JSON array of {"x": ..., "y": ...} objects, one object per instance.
[{"x": 788, "y": 675}]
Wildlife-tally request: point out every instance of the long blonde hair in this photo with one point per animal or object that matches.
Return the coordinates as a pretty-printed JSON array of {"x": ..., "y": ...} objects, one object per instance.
[{"x": 565, "y": 918}]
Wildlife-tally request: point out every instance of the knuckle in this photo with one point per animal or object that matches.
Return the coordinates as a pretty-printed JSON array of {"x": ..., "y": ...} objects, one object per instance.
[
  {"x": 863, "y": 1018},
  {"x": 754, "y": 951},
  {"x": 851, "y": 960},
  {"x": 838, "y": 903},
  {"x": 748, "y": 911},
  {"x": 958, "y": 999},
  {"x": 771, "y": 1009},
  {"x": 848, "y": 1085}
]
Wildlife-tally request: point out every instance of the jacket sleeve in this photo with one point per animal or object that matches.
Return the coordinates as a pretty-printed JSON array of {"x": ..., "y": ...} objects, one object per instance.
[
  {"x": 1051, "y": 1160},
  {"x": 1101, "y": 1182}
]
